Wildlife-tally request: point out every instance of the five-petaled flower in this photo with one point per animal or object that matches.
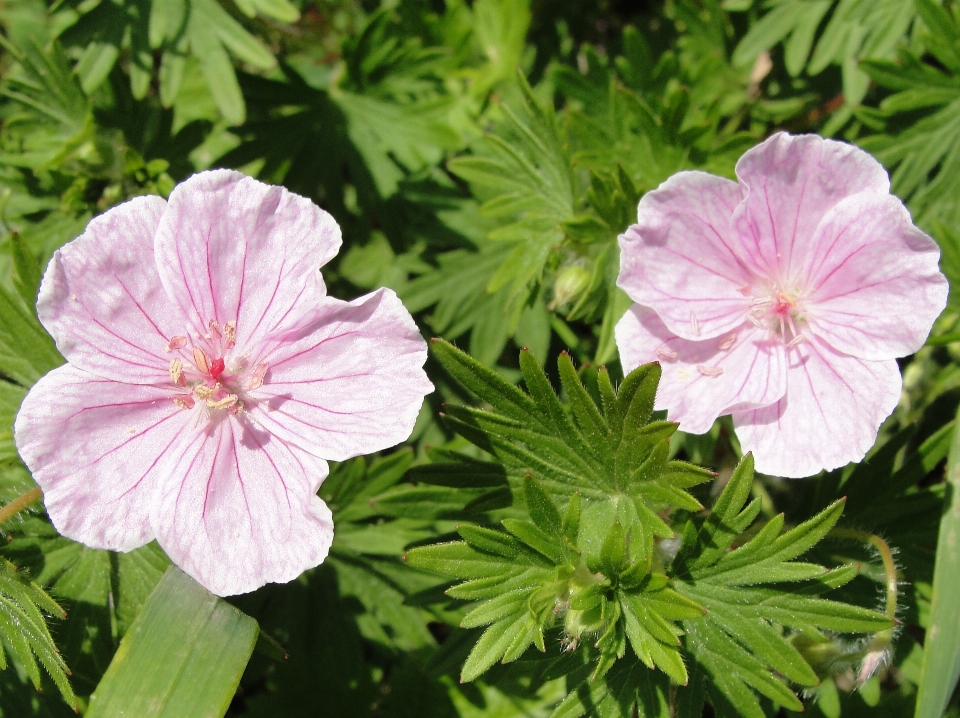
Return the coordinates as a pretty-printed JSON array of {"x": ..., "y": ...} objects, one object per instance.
[
  {"x": 782, "y": 299},
  {"x": 210, "y": 377}
]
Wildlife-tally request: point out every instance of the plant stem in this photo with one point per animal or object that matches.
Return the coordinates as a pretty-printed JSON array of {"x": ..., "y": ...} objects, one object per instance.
[
  {"x": 19, "y": 504},
  {"x": 889, "y": 568}
]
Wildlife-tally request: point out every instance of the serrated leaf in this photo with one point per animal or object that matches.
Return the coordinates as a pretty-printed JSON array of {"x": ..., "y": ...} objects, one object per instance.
[
  {"x": 496, "y": 609},
  {"x": 541, "y": 507},
  {"x": 493, "y": 644},
  {"x": 25, "y": 632}
]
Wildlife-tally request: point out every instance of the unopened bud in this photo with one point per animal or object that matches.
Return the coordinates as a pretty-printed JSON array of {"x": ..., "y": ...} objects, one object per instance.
[{"x": 571, "y": 282}]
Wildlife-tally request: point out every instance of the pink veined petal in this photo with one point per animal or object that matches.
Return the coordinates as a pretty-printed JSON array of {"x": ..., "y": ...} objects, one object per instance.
[
  {"x": 102, "y": 300},
  {"x": 873, "y": 283},
  {"x": 681, "y": 259},
  {"x": 707, "y": 379},
  {"x": 350, "y": 383},
  {"x": 94, "y": 447},
  {"x": 790, "y": 183},
  {"x": 239, "y": 508},
  {"x": 830, "y": 415},
  {"x": 231, "y": 248}
]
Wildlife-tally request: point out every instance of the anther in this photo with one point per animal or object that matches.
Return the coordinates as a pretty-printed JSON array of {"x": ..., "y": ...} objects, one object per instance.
[
  {"x": 667, "y": 354},
  {"x": 745, "y": 291},
  {"x": 206, "y": 392},
  {"x": 256, "y": 381},
  {"x": 694, "y": 324},
  {"x": 184, "y": 401},
  {"x": 176, "y": 343},
  {"x": 230, "y": 332},
  {"x": 215, "y": 329},
  {"x": 728, "y": 342},
  {"x": 754, "y": 321},
  {"x": 176, "y": 372},
  {"x": 712, "y": 371},
  {"x": 799, "y": 339},
  {"x": 201, "y": 360},
  {"x": 224, "y": 403}
]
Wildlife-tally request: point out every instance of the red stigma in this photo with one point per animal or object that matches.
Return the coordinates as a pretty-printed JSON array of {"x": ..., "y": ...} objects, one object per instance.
[{"x": 216, "y": 369}]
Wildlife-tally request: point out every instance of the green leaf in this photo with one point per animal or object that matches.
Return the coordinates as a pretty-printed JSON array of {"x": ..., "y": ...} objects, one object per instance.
[
  {"x": 26, "y": 351},
  {"x": 26, "y": 636},
  {"x": 541, "y": 507},
  {"x": 941, "y": 663},
  {"x": 184, "y": 655},
  {"x": 740, "y": 643}
]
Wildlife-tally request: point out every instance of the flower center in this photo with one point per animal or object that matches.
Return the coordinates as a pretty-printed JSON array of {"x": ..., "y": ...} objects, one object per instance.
[
  {"x": 205, "y": 371},
  {"x": 780, "y": 312}
]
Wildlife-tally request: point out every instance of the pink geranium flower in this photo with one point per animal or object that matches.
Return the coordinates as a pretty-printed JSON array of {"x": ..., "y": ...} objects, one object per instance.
[
  {"x": 782, "y": 299},
  {"x": 209, "y": 380}
]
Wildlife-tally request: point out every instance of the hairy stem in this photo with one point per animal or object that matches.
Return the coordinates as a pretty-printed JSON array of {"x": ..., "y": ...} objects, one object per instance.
[
  {"x": 19, "y": 504},
  {"x": 877, "y": 653},
  {"x": 889, "y": 568}
]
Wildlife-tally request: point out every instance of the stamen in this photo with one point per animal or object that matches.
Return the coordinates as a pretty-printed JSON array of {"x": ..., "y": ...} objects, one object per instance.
[
  {"x": 799, "y": 339},
  {"x": 256, "y": 381},
  {"x": 230, "y": 332},
  {"x": 184, "y": 401},
  {"x": 712, "y": 371},
  {"x": 745, "y": 291},
  {"x": 236, "y": 408},
  {"x": 201, "y": 360},
  {"x": 224, "y": 403},
  {"x": 694, "y": 324},
  {"x": 754, "y": 321},
  {"x": 176, "y": 343},
  {"x": 728, "y": 342},
  {"x": 176, "y": 372},
  {"x": 665, "y": 353},
  {"x": 215, "y": 329},
  {"x": 206, "y": 392}
]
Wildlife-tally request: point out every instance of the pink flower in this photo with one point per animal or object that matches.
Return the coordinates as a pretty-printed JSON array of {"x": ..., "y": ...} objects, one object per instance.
[
  {"x": 783, "y": 300},
  {"x": 209, "y": 379}
]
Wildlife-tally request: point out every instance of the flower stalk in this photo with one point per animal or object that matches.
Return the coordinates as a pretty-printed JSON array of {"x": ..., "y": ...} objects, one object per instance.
[{"x": 19, "y": 504}]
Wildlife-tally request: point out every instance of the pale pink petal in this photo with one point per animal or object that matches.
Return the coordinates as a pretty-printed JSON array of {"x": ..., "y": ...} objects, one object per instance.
[
  {"x": 232, "y": 249},
  {"x": 707, "y": 379},
  {"x": 102, "y": 300},
  {"x": 830, "y": 415},
  {"x": 93, "y": 446},
  {"x": 240, "y": 508},
  {"x": 873, "y": 284},
  {"x": 351, "y": 383},
  {"x": 681, "y": 258},
  {"x": 790, "y": 183}
]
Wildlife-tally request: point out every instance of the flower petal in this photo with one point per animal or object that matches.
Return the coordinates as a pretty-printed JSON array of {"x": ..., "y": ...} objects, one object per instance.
[
  {"x": 874, "y": 285},
  {"x": 701, "y": 380},
  {"x": 681, "y": 259},
  {"x": 102, "y": 300},
  {"x": 239, "y": 509},
  {"x": 830, "y": 415},
  {"x": 351, "y": 383},
  {"x": 94, "y": 447},
  {"x": 230, "y": 248},
  {"x": 790, "y": 183}
]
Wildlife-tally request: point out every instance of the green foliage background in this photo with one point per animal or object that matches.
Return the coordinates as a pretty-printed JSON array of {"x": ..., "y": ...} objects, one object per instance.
[{"x": 481, "y": 158}]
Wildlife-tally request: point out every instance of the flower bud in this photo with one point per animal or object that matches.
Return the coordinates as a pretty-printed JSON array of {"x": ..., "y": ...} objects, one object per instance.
[{"x": 571, "y": 282}]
